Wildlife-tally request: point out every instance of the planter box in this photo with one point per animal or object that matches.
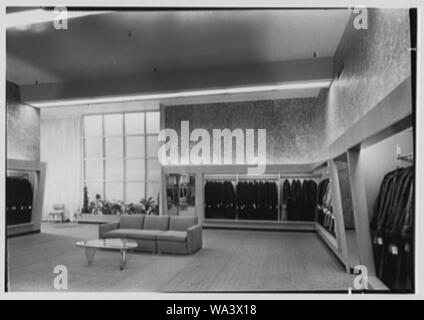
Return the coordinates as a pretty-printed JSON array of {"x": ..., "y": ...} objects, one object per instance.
[{"x": 97, "y": 218}]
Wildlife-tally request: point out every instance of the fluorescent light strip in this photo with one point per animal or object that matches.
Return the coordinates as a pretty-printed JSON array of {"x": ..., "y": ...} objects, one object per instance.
[
  {"x": 184, "y": 94},
  {"x": 23, "y": 19}
]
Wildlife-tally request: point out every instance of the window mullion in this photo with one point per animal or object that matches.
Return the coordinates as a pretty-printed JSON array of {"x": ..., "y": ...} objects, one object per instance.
[
  {"x": 124, "y": 140},
  {"x": 145, "y": 154},
  {"x": 104, "y": 156}
]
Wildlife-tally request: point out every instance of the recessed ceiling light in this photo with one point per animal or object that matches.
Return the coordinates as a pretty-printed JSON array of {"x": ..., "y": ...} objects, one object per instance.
[{"x": 24, "y": 19}]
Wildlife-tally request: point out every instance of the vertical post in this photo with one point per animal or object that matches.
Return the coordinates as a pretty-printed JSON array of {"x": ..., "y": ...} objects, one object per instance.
[
  {"x": 104, "y": 157},
  {"x": 360, "y": 211},
  {"x": 200, "y": 201},
  {"x": 280, "y": 213},
  {"x": 338, "y": 213},
  {"x": 124, "y": 160},
  {"x": 163, "y": 206},
  {"x": 37, "y": 207}
]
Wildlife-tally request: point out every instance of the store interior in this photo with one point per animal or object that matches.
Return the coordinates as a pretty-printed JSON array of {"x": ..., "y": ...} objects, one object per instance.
[{"x": 86, "y": 110}]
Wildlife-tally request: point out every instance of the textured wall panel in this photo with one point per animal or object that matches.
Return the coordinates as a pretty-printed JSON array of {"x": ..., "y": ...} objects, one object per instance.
[
  {"x": 294, "y": 126},
  {"x": 23, "y": 127},
  {"x": 375, "y": 62},
  {"x": 346, "y": 194}
]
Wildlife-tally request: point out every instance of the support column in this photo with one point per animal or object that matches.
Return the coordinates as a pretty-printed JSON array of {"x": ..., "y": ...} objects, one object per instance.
[
  {"x": 200, "y": 194},
  {"x": 360, "y": 211},
  {"x": 338, "y": 213}
]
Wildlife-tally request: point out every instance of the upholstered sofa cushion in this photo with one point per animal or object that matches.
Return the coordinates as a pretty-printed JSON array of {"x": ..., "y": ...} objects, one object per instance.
[
  {"x": 117, "y": 233},
  {"x": 143, "y": 234},
  {"x": 171, "y": 235},
  {"x": 131, "y": 221},
  {"x": 156, "y": 222},
  {"x": 181, "y": 223}
]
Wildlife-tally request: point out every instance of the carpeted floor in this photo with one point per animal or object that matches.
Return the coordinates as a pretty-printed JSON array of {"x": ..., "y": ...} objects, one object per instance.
[{"x": 230, "y": 261}]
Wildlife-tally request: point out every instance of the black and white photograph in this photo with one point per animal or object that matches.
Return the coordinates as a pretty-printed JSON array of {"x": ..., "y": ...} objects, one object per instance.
[{"x": 211, "y": 149}]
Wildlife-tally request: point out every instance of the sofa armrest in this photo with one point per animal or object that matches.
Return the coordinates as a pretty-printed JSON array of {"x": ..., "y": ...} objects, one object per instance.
[
  {"x": 106, "y": 227},
  {"x": 194, "y": 238}
]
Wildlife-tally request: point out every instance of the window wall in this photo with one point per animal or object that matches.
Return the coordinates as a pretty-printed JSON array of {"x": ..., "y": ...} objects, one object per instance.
[{"x": 121, "y": 155}]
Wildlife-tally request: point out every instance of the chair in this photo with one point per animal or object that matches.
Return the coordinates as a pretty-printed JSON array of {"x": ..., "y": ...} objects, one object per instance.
[{"x": 57, "y": 212}]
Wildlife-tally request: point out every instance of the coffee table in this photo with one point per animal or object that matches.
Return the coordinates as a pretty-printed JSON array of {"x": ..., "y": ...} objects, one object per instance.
[{"x": 91, "y": 246}]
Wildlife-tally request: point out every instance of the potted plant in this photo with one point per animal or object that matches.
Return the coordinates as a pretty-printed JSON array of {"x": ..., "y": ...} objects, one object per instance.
[
  {"x": 85, "y": 201},
  {"x": 150, "y": 206}
]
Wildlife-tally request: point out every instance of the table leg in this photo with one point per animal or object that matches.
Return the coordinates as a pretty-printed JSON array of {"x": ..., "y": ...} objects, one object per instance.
[
  {"x": 123, "y": 258},
  {"x": 90, "y": 253}
]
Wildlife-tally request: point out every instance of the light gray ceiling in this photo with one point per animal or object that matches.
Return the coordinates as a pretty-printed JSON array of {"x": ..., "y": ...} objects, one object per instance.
[{"x": 99, "y": 46}]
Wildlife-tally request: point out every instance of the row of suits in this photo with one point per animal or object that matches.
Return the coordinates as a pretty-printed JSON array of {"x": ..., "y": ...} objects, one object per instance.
[
  {"x": 19, "y": 197},
  {"x": 220, "y": 200},
  {"x": 249, "y": 200},
  {"x": 299, "y": 200},
  {"x": 257, "y": 200},
  {"x": 392, "y": 228},
  {"x": 325, "y": 215}
]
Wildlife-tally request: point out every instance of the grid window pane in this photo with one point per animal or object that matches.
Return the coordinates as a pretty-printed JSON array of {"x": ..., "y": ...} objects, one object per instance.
[
  {"x": 114, "y": 190},
  {"x": 153, "y": 189},
  {"x": 93, "y": 147},
  {"x": 134, "y": 146},
  {"x": 93, "y": 126},
  {"x": 93, "y": 189},
  {"x": 113, "y": 124},
  {"x": 152, "y": 122},
  {"x": 152, "y": 146},
  {"x": 93, "y": 169},
  {"x": 115, "y": 170},
  {"x": 134, "y": 191},
  {"x": 114, "y": 147},
  {"x": 134, "y": 123},
  {"x": 153, "y": 170},
  {"x": 135, "y": 169},
  {"x": 109, "y": 165}
]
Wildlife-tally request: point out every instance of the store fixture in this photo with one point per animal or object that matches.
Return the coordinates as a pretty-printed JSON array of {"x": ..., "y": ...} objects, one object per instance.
[
  {"x": 180, "y": 194},
  {"x": 29, "y": 210},
  {"x": 258, "y": 197},
  {"x": 392, "y": 228}
]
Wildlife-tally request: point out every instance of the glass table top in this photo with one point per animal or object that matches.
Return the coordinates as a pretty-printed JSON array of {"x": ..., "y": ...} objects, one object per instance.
[{"x": 107, "y": 244}]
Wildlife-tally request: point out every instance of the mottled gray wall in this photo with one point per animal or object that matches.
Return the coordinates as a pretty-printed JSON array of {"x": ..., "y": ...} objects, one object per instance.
[
  {"x": 294, "y": 126},
  {"x": 23, "y": 126},
  {"x": 345, "y": 192},
  {"x": 376, "y": 61}
]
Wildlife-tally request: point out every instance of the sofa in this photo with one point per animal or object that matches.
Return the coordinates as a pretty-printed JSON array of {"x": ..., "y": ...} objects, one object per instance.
[{"x": 157, "y": 234}]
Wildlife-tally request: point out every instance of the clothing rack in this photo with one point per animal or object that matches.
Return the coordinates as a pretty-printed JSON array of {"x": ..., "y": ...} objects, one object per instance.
[
  {"x": 277, "y": 178},
  {"x": 25, "y": 168},
  {"x": 237, "y": 177},
  {"x": 408, "y": 157},
  {"x": 301, "y": 176},
  {"x": 258, "y": 177},
  {"x": 220, "y": 177},
  {"x": 20, "y": 176}
]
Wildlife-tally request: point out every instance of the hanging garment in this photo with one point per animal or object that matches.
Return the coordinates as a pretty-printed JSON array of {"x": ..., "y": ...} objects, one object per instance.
[
  {"x": 240, "y": 204},
  {"x": 285, "y": 198},
  {"x": 392, "y": 229},
  {"x": 272, "y": 200},
  {"x": 19, "y": 198},
  {"x": 229, "y": 205},
  {"x": 309, "y": 190},
  {"x": 296, "y": 207},
  {"x": 325, "y": 208},
  {"x": 208, "y": 200},
  {"x": 292, "y": 202},
  {"x": 214, "y": 194}
]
